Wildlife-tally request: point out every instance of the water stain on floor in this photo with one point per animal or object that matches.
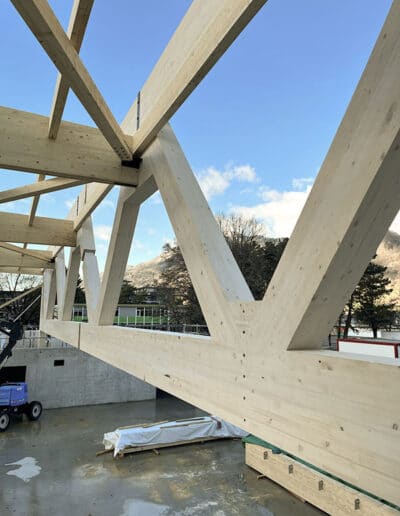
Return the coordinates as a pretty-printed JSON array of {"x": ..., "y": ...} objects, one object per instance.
[{"x": 27, "y": 469}]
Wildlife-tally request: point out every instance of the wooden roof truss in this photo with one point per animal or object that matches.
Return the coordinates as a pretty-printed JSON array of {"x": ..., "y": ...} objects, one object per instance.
[{"x": 262, "y": 367}]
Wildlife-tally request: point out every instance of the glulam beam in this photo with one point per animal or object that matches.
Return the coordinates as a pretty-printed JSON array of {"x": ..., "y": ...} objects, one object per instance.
[
  {"x": 12, "y": 259},
  {"x": 45, "y": 26},
  {"x": 80, "y": 151},
  {"x": 45, "y": 256},
  {"x": 38, "y": 188},
  {"x": 78, "y": 21},
  {"x": 46, "y": 231}
]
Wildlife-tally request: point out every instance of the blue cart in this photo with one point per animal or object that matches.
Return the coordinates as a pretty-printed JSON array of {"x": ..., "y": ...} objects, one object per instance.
[{"x": 14, "y": 401}]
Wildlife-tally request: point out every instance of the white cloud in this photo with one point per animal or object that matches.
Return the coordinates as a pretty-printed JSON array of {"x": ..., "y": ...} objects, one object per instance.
[
  {"x": 396, "y": 224},
  {"x": 242, "y": 173},
  {"x": 214, "y": 182},
  {"x": 21, "y": 206},
  {"x": 69, "y": 203},
  {"x": 8, "y": 206},
  {"x": 280, "y": 210},
  {"x": 138, "y": 245},
  {"x": 107, "y": 203},
  {"x": 300, "y": 183},
  {"x": 49, "y": 198},
  {"x": 102, "y": 232}
]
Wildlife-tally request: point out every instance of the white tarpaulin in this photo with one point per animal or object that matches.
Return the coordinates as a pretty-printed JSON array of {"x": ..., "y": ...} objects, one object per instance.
[{"x": 170, "y": 432}]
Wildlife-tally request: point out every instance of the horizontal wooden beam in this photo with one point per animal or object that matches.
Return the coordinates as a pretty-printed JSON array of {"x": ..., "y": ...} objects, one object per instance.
[
  {"x": 15, "y": 228},
  {"x": 38, "y": 188},
  {"x": 311, "y": 486},
  {"x": 299, "y": 401},
  {"x": 206, "y": 31},
  {"x": 76, "y": 30},
  {"x": 40, "y": 255},
  {"x": 21, "y": 270},
  {"x": 79, "y": 152},
  {"x": 45, "y": 26},
  {"x": 12, "y": 259}
]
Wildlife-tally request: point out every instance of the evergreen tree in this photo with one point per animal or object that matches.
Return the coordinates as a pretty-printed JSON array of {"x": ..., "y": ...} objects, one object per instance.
[
  {"x": 371, "y": 308},
  {"x": 130, "y": 295},
  {"x": 79, "y": 293}
]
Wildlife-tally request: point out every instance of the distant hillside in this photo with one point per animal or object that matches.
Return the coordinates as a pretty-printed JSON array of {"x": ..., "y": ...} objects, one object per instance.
[
  {"x": 388, "y": 254},
  {"x": 146, "y": 273}
]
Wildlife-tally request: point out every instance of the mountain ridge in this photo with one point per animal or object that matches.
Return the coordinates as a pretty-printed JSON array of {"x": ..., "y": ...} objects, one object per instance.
[{"x": 388, "y": 254}]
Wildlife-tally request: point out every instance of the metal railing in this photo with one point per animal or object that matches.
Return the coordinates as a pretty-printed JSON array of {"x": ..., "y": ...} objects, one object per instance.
[{"x": 34, "y": 339}]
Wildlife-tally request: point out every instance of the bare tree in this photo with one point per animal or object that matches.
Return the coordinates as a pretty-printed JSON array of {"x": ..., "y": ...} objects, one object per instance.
[
  {"x": 239, "y": 230},
  {"x": 11, "y": 285}
]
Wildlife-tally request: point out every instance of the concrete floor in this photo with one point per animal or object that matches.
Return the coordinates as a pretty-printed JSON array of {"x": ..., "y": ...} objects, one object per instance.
[{"x": 205, "y": 479}]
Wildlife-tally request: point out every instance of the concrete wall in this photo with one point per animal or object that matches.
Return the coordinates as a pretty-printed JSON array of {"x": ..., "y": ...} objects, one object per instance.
[{"x": 82, "y": 380}]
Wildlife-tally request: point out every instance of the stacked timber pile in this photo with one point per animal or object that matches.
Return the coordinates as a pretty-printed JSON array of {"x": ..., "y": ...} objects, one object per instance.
[{"x": 152, "y": 436}]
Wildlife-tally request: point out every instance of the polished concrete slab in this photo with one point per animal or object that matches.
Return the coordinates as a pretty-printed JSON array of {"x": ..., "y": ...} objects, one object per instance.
[{"x": 50, "y": 468}]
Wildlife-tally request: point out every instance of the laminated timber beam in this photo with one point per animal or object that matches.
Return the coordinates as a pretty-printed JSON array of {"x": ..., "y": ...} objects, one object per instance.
[
  {"x": 61, "y": 275},
  {"x": 211, "y": 265},
  {"x": 296, "y": 400},
  {"x": 49, "y": 292},
  {"x": 40, "y": 18},
  {"x": 76, "y": 30},
  {"x": 12, "y": 259},
  {"x": 90, "y": 268},
  {"x": 71, "y": 283},
  {"x": 122, "y": 233},
  {"x": 79, "y": 152},
  {"x": 21, "y": 270},
  {"x": 45, "y": 256},
  {"x": 46, "y": 231},
  {"x": 38, "y": 188},
  {"x": 35, "y": 201},
  {"x": 208, "y": 28},
  {"x": 117, "y": 258}
]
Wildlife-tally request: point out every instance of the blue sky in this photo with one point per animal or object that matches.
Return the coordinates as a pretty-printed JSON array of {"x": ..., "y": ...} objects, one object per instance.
[{"x": 255, "y": 131}]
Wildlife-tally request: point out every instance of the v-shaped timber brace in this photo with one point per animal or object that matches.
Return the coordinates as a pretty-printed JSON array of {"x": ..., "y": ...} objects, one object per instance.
[{"x": 262, "y": 367}]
